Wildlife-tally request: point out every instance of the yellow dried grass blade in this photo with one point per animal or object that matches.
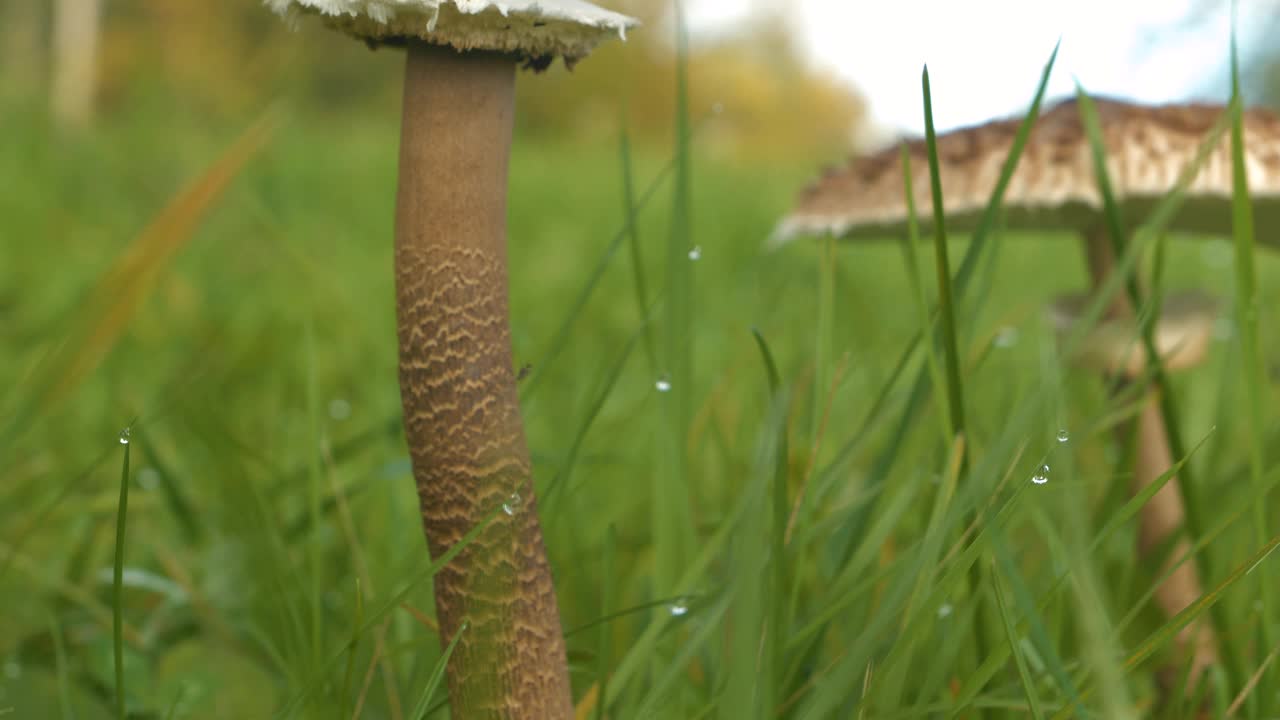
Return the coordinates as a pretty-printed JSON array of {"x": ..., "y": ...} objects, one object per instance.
[{"x": 121, "y": 289}]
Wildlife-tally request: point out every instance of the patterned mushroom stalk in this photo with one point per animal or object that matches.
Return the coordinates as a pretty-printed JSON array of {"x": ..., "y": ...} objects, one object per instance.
[
  {"x": 461, "y": 411},
  {"x": 1054, "y": 188}
]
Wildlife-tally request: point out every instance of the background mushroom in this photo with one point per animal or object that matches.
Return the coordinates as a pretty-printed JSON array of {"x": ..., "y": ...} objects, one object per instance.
[
  {"x": 1054, "y": 188},
  {"x": 461, "y": 411}
]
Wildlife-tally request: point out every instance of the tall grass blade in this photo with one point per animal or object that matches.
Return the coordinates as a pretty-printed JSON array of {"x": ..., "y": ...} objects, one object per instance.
[
  {"x": 825, "y": 330},
  {"x": 910, "y": 255},
  {"x": 671, "y": 524},
  {"x": 955, "y": 388},
  {"x": 603, "y": 645},
  {"x": 560, "y": 339},
  {"x": 633, "y": 241},
  {"x": 1246, "y": 305},
  {"x": 561, "y": 478},
  {"x": 117, "y": 579},
  {"x": 437, "y": 673},
  {"x": 921, "y": 388},
  {"x": 776, "y": 594},
  {"x": 1024, "y": 674}
]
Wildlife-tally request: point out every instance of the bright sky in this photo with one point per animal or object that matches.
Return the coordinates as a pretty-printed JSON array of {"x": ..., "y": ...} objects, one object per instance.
[{"x": 985, "y": 56}]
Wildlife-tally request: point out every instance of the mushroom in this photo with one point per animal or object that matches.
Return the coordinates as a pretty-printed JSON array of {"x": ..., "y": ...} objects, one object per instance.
[
  {"x": 461, "y": 411},
  {"x": 1054, "y": 188}
]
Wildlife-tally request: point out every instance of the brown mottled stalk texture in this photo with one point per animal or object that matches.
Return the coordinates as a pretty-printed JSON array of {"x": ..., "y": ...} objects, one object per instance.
[
  {"x": 1163, "y": 515},
  {"x": 461, "y": 411}
]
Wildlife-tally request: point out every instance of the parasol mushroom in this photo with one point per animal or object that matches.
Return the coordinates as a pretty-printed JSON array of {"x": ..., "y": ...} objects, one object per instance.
[
  {"x": 461, "y": 411},
  {"x": 1054, "y": 188}
]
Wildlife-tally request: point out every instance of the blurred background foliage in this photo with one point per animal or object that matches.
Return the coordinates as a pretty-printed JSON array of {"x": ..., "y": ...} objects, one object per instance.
[{"x": 225, "y": 58}]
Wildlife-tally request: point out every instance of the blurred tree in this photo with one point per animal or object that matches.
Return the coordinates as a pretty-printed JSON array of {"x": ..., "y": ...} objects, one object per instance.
[
  {"x": 21, "y": 52},
  {"x": 753, "y": 77},
  {"x": 225, "y": 57}
]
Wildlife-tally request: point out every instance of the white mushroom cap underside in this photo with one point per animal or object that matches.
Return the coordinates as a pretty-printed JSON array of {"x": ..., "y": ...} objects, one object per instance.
[
  {"x": 1182, "y": 335},
  {"x": 1053, "y": 186},
  {"x": 535, "y": 28}
]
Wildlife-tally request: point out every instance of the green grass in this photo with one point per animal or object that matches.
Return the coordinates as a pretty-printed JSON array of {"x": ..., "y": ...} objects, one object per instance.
[{"x": 785, "y": 532}]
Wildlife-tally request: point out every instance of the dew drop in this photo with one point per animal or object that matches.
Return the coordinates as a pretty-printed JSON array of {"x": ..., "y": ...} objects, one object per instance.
[
  {"x": 663, "y": 384},
  {"x": 339, "y": 409},
  {"x": 1006, "y": 337},
  {"x": 678, "y": 609},
  {"x": 695, "y": 253},
  {"x": 1063, "y": 436},
  {"x": 944, "y": 610},
  {"x": 124, "y": 436},
  {"x": 512, "y": 504},
  {"x": 1042, "y": 476}
]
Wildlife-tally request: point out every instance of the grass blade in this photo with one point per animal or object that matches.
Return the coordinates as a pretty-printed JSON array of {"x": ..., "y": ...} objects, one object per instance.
[
  {"x": 1024, "y": 674},
  {"x": 955, "y": 392},
  {"x": 672, "y": 525},
  {"x": 917, "y": 288},
  {"x": 633, "y": 241},
  {"x": 775, "y": 597},
  {"x": 1246, "y": 304},
  {"x": 437, "y": 673},
  {"x": 603, "y": 646},
  {"x": 117, "y": 580}
]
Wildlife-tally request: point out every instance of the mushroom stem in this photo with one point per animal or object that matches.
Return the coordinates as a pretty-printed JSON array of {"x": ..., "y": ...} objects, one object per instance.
[
  {"x": 1160, "y": 519},
  {"x": 1164, "y": 514},
  {"x": 461, "y": 409}
]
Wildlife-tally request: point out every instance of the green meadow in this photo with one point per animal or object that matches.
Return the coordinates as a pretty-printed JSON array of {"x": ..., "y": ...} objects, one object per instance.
[{"x": 752, "y": 500}]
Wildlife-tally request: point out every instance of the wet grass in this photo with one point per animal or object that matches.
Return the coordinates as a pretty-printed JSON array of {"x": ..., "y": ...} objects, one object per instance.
[{"x": 793, "y": 527}]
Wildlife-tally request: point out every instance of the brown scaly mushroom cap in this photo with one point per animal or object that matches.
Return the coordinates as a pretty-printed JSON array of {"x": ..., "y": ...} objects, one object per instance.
[
  {"x": 537, "y": 30},
  {"x": 1053, "y": 187},
  {"x": 1114, "y": 346}
]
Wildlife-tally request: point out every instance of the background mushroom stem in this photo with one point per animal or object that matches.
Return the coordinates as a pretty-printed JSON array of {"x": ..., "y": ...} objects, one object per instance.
[
  {"x": 1164, "y": 514},
  {"x": 461, "y": 410}
]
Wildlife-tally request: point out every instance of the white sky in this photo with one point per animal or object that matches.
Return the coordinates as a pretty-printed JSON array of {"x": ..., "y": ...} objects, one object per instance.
[{"x": 985, "y": 56}]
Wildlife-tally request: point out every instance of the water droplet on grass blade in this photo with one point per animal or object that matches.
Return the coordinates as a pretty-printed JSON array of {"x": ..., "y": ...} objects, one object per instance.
[
  {"x": 1042, "y": 476},
  {"x": 512, "y": 504},
  {"x": 695, "y": 253},
  {"x": 339, "y": 409},
  {"x": 1063, "y": 436},
  {"x": 944, "y": 610},
  {"x": 124, "y": 436},
  {"x": 1006, "y": 337},
  {"x": 679, "y": 609},
  {"x": 663, "y": 384}
]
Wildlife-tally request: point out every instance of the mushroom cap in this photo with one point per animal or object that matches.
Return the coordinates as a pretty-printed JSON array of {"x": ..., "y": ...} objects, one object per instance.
[
  {"x": 1053, "y": 186},
  {"x": 1114, "y": 345},
  {"x": 537, "y": 30}
]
